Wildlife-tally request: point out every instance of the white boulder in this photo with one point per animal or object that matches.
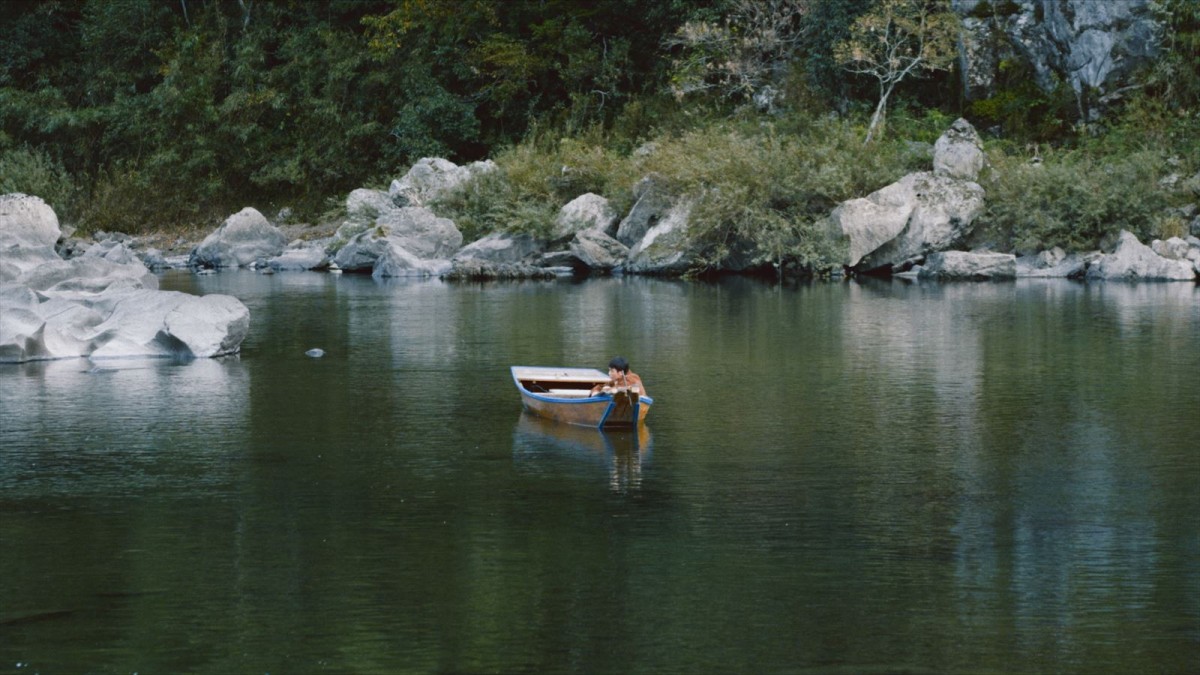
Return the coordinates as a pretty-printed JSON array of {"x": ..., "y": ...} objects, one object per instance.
[
  {"x": 92, "y": 306},
  {"x": 415, "y": 229},
  {"x": 499, "y": 247},
  {"x": 970, "y": 265},
  {"x": 958, "y": 153},
  {"x": 585, "y": 212},
  {"x": 905, "y": 221},
  {"x": 598, "y": 251},
  {"x": 27, "y": 221},
  {"x": 244, "y": 238},
  {"x": 431, "y": 177},
  {"x": 1132, "y": 260},
  {"x": 399, "y": 262}
]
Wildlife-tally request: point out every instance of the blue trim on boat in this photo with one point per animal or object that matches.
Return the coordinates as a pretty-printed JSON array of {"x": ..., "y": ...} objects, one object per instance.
[
  {"x": 572, "y": 400},
  {"x": 576, "y": 400},
  {"x": 604, "y": 418}
]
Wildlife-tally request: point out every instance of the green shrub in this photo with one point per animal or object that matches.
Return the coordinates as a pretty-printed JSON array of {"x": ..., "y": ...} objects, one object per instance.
[
  {"x": 535, "y": 179},
  {"x": 1168, "y": 226},
  {"x": 33, "y": 172},
  {"x": 983, "y": 10},
  {"x": 1022, "y": 109},
  {"x": 761, "y": 188},
  {"x": 1071, "y": 199}
]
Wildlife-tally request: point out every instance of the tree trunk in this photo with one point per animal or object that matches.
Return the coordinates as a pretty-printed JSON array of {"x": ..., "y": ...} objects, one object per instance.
[{"x": 877, "y": 117}]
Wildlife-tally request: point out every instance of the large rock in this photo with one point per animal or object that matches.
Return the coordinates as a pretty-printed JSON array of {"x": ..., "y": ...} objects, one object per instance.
[
  {"x": 499, "y": 247},
  {"x": 414, "y": 229},
  {"x": 1053, "y": 264},
  {"x": 126, "y": 322},
  {"x": 872, "y": 221},
  {"x": 28, "y": 232},
  {"x": 422, "y": 233},
  {"x": 1172, "y": 249},
  {"x": 398, "y": 262},
  {"x": 17, "y": 260},
  {"x": 667, "y": 248},
  {"x": 500, "y": 255},
  {"x": 112, "y": 251},
  {"x": 895, "y": 226},
  {"x": 365, "y": 205},
  {"x": 300, "y": 258},
  {"x": 88, "y": 275},
  {"x": 143, "y": 323},
  {"x": 432, "y": 177},
  {"x": 96, "y": 307},
  {"x": 27, "y": 221},
  {"x": 1132, "y": 260},
  {"x": 243, "y": 239},
  {"x": 970, "y": 265},
  {"x": 585, "y": 212},
  {"x": 652, "y": 203},
  {"x": 598, "y": 251},
  {"x": 473, "y": 269},
  {"x": 958, "y": 153}
]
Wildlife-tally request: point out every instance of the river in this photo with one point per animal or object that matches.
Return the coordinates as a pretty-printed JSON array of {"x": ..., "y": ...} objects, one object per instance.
[{"x": 865, "y": 476}]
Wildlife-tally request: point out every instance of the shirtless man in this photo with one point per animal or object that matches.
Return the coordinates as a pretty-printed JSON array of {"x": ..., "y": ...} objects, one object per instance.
[{"x": 619, "y": 377}]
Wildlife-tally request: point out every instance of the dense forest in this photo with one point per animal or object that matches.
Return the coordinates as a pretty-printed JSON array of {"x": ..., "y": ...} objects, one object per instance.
[{"x": 135, "y": 115}]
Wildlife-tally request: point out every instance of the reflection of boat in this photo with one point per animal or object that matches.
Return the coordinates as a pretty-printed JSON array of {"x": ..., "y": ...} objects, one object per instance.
[
  {"x": 583, "y": 440},
  {"x": 543, "y": 446},
  {"x": 563, "y": 394}
]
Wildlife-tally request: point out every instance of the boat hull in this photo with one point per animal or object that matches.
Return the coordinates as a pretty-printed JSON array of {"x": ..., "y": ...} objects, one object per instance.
[{"x": 565, "y": 398}]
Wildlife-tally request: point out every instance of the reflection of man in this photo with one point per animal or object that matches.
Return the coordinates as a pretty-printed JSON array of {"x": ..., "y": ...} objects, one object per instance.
[{"x": 619, "y": 377}]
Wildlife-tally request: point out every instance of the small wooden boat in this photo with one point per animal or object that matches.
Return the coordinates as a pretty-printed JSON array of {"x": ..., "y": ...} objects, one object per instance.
[{"x": 564, "y": 394}]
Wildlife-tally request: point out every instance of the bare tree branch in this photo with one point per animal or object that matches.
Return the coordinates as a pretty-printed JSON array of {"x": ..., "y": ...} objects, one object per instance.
[{"x": 896, "y": 39}]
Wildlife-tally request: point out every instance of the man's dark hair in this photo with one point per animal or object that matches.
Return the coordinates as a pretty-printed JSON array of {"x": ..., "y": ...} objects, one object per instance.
[{"x": 620, "y": 364}]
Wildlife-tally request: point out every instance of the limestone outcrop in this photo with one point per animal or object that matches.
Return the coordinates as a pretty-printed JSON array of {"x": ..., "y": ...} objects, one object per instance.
[
  {"x": 103, "y": 305},
  {"x": 1097, "y": 47}
]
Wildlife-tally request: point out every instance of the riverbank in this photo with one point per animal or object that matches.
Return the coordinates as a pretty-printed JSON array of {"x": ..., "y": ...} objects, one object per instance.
[{"x": 679, "y": 219}]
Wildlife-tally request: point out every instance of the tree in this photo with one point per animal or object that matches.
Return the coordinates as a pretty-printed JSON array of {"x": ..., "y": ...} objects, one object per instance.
[
  {"x": 740, "y": 55},
  {"x": 896, "y": 39}
]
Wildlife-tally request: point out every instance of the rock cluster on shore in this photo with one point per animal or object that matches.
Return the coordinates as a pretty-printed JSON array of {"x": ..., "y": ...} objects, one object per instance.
[{"x": 913, "y": 228}]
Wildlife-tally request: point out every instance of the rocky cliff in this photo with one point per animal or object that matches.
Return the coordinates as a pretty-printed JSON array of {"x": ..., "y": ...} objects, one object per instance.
[{"x": 1096, "y": 47}]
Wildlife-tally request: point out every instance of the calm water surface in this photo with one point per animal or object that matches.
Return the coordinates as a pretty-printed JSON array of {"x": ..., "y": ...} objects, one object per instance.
[{"x": 847, "y": 477}]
